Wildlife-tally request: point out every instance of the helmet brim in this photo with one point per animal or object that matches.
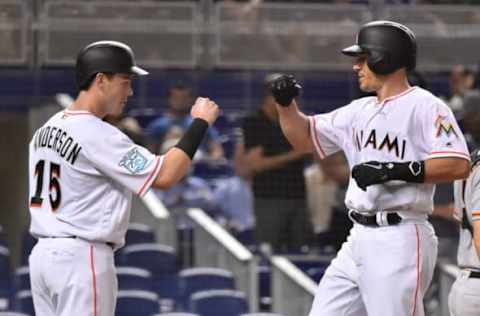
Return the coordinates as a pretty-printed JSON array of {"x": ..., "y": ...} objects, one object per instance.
[
  {"x": 138, "y": 71},
  {"x": 354, "y": 51}
]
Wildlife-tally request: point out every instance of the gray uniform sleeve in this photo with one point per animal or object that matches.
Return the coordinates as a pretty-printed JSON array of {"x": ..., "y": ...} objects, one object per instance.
[{"x": 473, "y": 202}]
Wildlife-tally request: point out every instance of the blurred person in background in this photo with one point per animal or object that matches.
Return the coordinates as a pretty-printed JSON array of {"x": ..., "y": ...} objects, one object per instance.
[
  {"x": 464, "y": 298},
  {"x": 471, "y": 119},
  {"x": 335, "y": 174},
  {"x": 189, "y": 192},
  {"x": 276, "y": 170},
  {"x": 177, "y": 116},
  {"x": 129, "y": 126},
  {"x": 461, "y": 80},
  {"x": 229, "y": 200}
]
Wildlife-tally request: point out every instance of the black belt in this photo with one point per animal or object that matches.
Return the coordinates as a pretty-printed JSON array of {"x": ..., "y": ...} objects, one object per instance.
[
  {"x": 474, "y": 274},
  {"x": 110, "y": 244},
  {"x": 383, "y": 219}
]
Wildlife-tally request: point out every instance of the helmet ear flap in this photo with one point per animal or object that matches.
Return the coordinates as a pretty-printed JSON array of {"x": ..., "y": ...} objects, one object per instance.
[{"x": 379, "y": 62}]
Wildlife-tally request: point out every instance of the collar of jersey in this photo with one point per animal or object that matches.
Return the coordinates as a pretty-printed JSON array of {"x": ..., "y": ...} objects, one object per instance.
[
  {"x": 393, "y": 97},
  {"x": 76, "y": 112}
]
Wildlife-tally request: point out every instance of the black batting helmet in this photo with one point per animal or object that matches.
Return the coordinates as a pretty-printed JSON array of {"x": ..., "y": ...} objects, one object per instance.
[
  {"x": 388, "y": 45},
  {"x": 106, "y": 57}
]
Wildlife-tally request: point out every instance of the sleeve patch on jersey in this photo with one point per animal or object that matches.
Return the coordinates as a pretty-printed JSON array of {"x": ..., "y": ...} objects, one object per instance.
[
  {"x": 444, "y": 126},
  {"x": 134, "y": 161}
]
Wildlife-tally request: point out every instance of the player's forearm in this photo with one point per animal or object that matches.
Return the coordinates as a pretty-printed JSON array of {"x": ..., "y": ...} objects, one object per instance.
[
  {"x": 439, "y": 170},
  {"x": 295, "y": 128},
  {"x": 175, "y": 166}
]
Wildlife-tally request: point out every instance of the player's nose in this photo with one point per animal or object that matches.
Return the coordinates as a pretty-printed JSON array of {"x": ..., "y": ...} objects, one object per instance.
[{"x": 356, "y": 67}]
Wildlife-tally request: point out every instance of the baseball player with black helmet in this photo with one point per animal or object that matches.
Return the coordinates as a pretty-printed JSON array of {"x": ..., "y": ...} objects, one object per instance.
[
  {"x": 464, "y": 299},
  {"x": 398, "y": 144},
  {"x": 82, "y": 174}
]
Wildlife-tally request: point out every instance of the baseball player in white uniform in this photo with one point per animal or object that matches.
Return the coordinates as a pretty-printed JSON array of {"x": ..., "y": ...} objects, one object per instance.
[
  {"x": 398, "y": 144},
  {"x": 82, "y": 174},
  {"x": 464, "y": 299}
]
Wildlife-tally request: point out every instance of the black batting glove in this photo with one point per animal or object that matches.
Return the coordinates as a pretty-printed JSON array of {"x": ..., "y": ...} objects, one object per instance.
[
  {"x": 375, "y": 172},
  {"x": 284, "y": 89},
  {"x": 368, "y": 173}
]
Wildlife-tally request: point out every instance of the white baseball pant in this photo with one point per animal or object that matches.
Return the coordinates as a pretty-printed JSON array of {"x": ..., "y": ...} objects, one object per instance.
[{"x": 71, "y": 276}]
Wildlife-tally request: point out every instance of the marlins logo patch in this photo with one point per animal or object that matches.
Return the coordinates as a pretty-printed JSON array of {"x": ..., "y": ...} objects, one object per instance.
[
  {"x": 133, "y": 161},
  {"x": 444, "y": 126}
]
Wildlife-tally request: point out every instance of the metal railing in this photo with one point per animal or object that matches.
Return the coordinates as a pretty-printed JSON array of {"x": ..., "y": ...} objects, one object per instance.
[
  {"x": 292, "y": 290},
  {"x": 209, "y": 34},
  {"x": 15, "y": 33},
  {"x": 215, "y": 247},
  {"x": 164, "y": 34}
]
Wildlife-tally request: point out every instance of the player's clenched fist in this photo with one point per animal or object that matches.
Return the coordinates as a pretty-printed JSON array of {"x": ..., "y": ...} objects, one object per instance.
[
  {"x": 205, "y": 109},
  {"x": 284, "y": 88},
  {"x": 368, "y": 173}
]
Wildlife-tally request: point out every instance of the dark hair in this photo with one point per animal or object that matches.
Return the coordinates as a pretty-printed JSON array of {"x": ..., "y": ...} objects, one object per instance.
[
  {"x": 87, "y": 83},
  {"x": 178, "y": 86}
]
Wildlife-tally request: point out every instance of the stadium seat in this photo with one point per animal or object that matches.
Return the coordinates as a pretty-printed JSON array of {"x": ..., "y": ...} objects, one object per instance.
[
  {"x": 132, "y": 278},
  {"x": 264, "y": 286},
  {"x": 4, "y": 261},
  {"x": 136, "y": 303},
  {"x": 139, "y": 233},
  {"x": 219, "y": 303},
  {"x": 5, "y": 278},
  {"x": 160, "y": 260},
  {"x": 23, "y": 302},
  {"x": 21, "y": 279},
  {"x": 193, "y": 280}
]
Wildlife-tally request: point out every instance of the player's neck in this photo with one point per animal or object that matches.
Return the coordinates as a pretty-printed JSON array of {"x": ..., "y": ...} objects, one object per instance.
[
  {"x": 87, "y": 102},
  {"x": 393, "y": 85}
]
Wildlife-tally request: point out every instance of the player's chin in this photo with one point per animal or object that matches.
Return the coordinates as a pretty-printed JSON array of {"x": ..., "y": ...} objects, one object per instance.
[{"x": 366, "y": 88}]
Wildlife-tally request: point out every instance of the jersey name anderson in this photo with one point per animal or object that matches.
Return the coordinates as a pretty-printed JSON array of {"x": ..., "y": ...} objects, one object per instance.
[
  {"x": 414, "y": 125},
  {"x": 59, "y": 141},
  {"x": 83, "y": 172}
]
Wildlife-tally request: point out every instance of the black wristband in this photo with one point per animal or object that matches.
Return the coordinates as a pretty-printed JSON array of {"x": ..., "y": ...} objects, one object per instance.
[
  {"x": 193, "y": 137},
  {"x": 410, "y": 171}
]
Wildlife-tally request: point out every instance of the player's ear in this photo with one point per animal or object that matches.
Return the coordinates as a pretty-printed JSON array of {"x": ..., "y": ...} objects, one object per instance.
[{"x": 101, "y": 79}]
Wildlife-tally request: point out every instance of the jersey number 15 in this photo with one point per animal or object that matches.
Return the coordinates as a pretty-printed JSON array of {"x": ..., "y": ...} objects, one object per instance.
[{"x": 54, "y": 184}]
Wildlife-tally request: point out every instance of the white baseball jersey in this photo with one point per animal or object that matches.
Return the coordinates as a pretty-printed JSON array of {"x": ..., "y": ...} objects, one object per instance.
[
  {"x": 414, "y": 125},
  {"x": 82, "y": 174},
  {"x": 468, "y": 197}
]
